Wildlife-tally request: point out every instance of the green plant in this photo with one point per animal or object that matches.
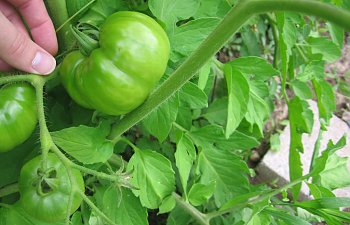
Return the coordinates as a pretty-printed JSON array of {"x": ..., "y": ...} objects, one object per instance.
[{"x": 183, "y": 152}]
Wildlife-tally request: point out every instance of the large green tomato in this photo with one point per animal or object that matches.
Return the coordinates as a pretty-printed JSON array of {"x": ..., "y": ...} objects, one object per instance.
[
  {"x": 45, "y": 194},
  {"x": 117, "y": 77},
  {"x": 18, "y": 114}
]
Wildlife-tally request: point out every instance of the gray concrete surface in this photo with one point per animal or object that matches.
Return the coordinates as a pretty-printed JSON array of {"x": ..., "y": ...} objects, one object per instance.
[{"x": 274, "y": 166}]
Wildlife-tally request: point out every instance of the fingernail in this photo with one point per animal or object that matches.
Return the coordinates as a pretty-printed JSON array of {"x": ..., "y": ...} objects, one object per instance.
[{"x": 43, "y": 63}]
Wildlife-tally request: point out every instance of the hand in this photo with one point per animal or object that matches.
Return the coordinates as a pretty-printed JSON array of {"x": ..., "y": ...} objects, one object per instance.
[{"x": 17, "y": 49}]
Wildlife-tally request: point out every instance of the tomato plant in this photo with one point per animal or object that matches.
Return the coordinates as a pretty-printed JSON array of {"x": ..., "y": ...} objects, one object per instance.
[{"x": 157, "y": 108}]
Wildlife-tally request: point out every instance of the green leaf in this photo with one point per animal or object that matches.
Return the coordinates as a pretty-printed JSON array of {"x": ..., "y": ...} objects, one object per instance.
[
  {"x": 321, "y": 45},
  {"x": 186, "y": 38},
  {"x": 210, "y": 8},
  {"x": 193, "y": 97},
  {"x": 122, "y": 207},
  {"x": 213, "y": 134},
  {"x": 301, "y": 89},
  {"x": 238, "y": 97},
  {"x": 86, "y": 144},
  {"x": 100, "y": 10},
  {"x": 301, "y": 121},
  {"x": 325, "y": 101},
  {"x": 256, "y": 66},
  {"x": 325, "y": 203},
  {"x": 217, "y": 111},
  {"x": 335, "y": 174},
  {"x": 313, "y": 70},
  {"x": 319, "y": 191},
  {"x": 337, "y": 34},
  {"x": 184, "y": 117},
  {"x": 15, "y": 215},
  {"x": 200, "y": 193},
  {"x": 171, "y": 11},
  {"x": 227, "y": 169},
  {"x": 185, "y": 155},
  {"x": 251, "y": 43},
  {"x": 285, "y": 217},
  {"x": 321, "y": 162},
  {"x": 153, "y": 176},
  {"x": 160, "y": 121},
  {"x": 75, "y": 6},
  {"x": 258, "y": 109},
  {"x": 167, "y": 205},
  {"x": 178, "y": 216}
]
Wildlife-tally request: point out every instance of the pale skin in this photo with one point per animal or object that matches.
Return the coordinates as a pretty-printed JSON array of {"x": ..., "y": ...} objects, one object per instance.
[{"x": 19, "y": 50}]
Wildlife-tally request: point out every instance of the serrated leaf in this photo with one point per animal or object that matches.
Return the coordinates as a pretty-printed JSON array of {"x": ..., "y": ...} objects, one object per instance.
[
  {"x": 227, "y": 169},
  {"x": 301, "y": 121},
  {"x": 123, "y": 207},
  {"x": 319, "y": 191},
  {"x": 238, "y": 98},
  {"x": 160, "y": 121},
  {"x": 185, "y": 155},
  {"x": 86, "y": 144},
  {"x": 200, "y": 193},
  {"x": 153, "y": 176},
  {"x": 325, "y": 101},
  {"x": 171, "y": 11},
  {"x": 193, "y": 97},
  {"x": 257, "y": 109}
]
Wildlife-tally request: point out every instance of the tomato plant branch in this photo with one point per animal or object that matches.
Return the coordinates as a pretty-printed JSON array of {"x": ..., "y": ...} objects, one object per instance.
[
  {"x": 238, "y": 16},
  {"x": 9, "y": 189},
  {"x": 59, "y": 16},
  {"x": 96, "y": 209},
  {"x": 17, "y": 78},
  {"x": 200, "y": 217},
  {"x": 83, "y": 169},
  {"x": 257, "y": 199}
]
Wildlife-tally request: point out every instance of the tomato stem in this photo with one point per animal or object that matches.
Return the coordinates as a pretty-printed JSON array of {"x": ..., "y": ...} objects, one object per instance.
[{"x": 95, "y": 208}]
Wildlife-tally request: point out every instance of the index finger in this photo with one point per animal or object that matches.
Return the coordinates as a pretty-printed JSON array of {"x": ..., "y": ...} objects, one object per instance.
[{"x": 39, "y": 23}]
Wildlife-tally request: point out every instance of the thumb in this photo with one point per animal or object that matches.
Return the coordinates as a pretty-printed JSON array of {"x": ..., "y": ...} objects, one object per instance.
[{"x": 19, "y": 51}]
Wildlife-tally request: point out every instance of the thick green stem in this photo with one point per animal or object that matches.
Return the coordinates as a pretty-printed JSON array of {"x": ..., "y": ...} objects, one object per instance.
[
  {"x": 59, "y": 16},
  {"x": 224, "y": 31},
  {"x": 200, "y": 217}
]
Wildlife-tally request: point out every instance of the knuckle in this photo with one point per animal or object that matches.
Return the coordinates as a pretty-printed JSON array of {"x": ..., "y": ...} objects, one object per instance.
[{"x": 18, "y": 46}]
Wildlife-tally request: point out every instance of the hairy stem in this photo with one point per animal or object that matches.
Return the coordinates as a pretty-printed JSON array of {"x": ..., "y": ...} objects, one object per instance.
[
  {"x": 95, "y": 209},
  {"x": 83, "y": 169},
  {"x": 238, "y": 15},
  {"x": 200, "y": 217}
]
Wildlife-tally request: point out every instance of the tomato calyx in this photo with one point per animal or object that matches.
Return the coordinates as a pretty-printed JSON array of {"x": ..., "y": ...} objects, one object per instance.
[{"x": 46, "y": 181}]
